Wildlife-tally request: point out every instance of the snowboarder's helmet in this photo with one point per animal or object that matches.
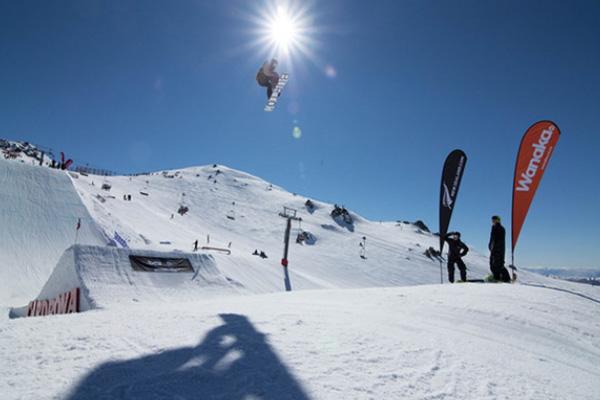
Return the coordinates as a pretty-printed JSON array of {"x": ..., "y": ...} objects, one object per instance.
[
  {"x": 274, "y": 62},
  {"x": 496, "y": 218}
]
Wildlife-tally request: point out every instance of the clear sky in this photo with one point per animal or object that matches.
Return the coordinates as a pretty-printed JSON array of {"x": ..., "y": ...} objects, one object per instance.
[{"x": 381, "y": 92}]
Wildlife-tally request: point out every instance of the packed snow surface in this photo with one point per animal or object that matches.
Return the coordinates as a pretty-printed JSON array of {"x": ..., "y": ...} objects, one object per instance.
[
  {"x": 463, "y": 341},
  {"x": 375, "y": 327}
]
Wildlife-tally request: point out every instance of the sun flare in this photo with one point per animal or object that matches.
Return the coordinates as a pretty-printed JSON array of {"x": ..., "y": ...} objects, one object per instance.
[
  {"x": 284, "y": 32},
  {"x": 283, "y": 29}
]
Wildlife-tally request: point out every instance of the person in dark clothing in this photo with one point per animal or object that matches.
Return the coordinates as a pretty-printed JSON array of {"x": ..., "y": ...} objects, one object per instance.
[
  {"x": 267, "y": 76},
  {"x": 497, "y": 247},
  {"x": 196, "y": 245},
  {"x": 456, "y": 251}
]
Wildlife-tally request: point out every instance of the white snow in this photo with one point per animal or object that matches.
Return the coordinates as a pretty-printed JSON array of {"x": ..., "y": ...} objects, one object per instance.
[
  {"x": 464, "y": 341},
  {"x": 39, "y": 213},
  {"x": 351, "y": 328}
]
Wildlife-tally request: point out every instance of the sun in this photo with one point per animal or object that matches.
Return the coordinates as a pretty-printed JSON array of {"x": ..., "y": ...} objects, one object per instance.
[{"x": 284, "y": 31}]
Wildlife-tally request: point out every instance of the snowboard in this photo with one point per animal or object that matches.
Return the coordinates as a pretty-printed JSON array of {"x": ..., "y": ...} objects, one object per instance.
[
  {"x": 283, "y": 78},
  {"x": 490, "y": 279}
]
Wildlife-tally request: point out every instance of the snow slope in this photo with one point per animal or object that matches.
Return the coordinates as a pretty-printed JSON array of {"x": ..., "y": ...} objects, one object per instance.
[
  {"x": 467, "y": 341},
  {"x": 223, "y": 334},
  {"x": 231, "y": 206},
  {"x": 39, "y": 213},
  {"x": 227, "y": 209}
]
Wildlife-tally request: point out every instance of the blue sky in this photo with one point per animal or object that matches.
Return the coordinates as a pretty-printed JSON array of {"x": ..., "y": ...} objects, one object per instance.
[{"x": 138, "y": 86}]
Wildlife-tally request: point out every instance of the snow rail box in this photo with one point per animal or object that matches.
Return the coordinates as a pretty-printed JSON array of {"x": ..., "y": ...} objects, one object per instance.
[{"x": 105, "y": 278}]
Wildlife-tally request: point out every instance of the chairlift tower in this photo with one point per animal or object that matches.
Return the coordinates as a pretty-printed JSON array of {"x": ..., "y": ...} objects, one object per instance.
[{"x": 290, "y": 215}]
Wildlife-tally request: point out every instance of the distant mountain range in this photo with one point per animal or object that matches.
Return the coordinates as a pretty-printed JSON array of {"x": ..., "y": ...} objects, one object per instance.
[{"x": 582, "y": 275}]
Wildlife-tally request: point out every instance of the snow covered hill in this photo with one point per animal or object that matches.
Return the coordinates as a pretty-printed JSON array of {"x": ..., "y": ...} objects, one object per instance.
[
  {"x": 377, "y": 327},
  {"x": 24, "y": 152},
  {"x": 228, "y": 208}
]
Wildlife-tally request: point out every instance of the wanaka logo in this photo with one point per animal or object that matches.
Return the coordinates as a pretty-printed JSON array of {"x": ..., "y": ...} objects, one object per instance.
[
  {"x": 539, "y": 151},
  {"x": 64, "y": 303}
]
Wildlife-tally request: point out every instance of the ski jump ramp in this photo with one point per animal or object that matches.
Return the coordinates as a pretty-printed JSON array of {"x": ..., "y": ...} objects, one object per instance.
[{"x": 111, "y": 277}]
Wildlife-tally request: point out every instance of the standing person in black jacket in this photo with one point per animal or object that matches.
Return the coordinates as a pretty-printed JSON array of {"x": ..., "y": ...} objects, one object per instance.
[
  {"x": 497, "y": 247},
  {"x": 456, "y": 251}
]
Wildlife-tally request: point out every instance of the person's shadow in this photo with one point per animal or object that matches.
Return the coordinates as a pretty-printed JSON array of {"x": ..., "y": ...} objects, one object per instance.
[{"x": 232, "y": 362}]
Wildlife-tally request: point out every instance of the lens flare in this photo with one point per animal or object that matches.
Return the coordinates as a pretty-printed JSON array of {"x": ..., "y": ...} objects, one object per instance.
[
  {"x": 297, "y": 132},
  {"x": 283, "y": 32}
]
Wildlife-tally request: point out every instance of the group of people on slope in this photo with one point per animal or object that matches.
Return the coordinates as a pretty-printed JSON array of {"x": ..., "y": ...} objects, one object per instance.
[{"x": 457, "y": 250}]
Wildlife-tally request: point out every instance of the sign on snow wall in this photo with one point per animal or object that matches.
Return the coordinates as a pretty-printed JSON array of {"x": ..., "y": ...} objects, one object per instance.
[
  {"x": 160, "y": 264},
  {"x": 65, "y": 303}
]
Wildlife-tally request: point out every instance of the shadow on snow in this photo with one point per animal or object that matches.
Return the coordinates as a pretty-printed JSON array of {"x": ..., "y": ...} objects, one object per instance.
[{"x": 234, "y": 361}]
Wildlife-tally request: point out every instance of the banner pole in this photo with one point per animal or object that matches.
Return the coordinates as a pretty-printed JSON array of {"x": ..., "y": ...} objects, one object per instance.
[{"x": 452, "y": 173}]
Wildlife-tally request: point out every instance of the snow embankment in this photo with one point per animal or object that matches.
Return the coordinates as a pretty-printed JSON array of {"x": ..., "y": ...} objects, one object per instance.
[
  {"x": 468, "y": 341},
  {"x": 38, "y": 218},
  {"x": 105, "y": 278}
]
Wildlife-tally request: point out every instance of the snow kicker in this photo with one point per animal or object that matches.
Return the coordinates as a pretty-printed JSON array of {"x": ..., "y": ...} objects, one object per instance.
[{"x": 106, "y": 277}]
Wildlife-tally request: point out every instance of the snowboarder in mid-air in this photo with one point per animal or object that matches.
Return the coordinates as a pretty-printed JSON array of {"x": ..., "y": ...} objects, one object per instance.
[
  {"x": 267, "y": 76},
  {"x": 456, "y": 251}
]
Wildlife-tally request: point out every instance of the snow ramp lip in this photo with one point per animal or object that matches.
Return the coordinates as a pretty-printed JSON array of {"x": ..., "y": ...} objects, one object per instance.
[{"x": 111, "y": 277}]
